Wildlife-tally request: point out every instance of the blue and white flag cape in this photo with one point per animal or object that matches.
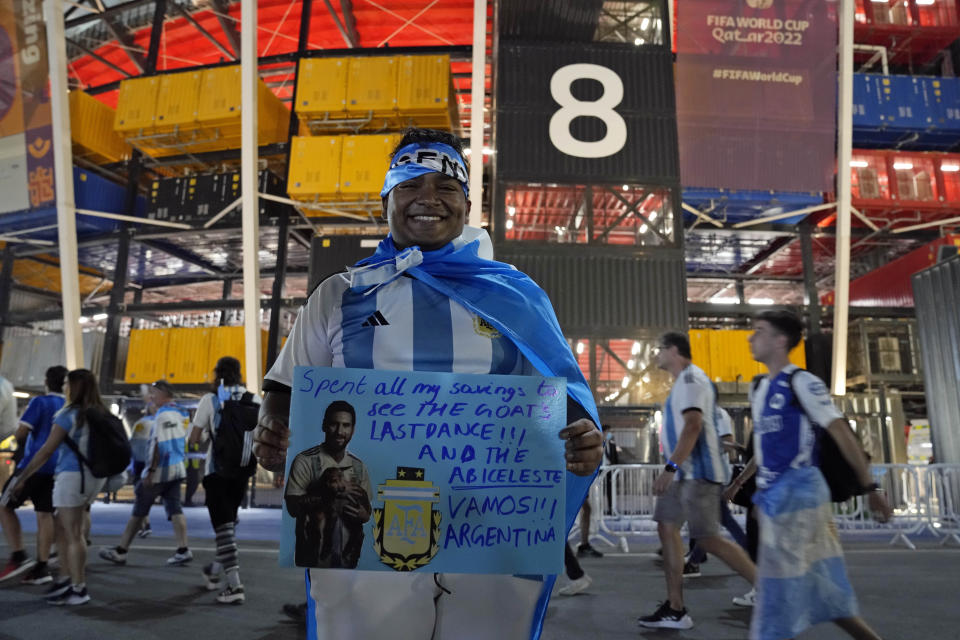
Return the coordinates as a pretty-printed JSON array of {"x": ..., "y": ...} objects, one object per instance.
[{"x": 510, "y": 301}]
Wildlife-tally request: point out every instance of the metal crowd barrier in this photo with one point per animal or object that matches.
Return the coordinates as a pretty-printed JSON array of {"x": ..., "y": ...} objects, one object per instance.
[{"x": 925, "y": 501}]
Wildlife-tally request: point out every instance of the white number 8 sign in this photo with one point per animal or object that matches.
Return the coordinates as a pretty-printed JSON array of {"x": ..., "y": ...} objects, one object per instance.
[{"x": 602, "y": 108}]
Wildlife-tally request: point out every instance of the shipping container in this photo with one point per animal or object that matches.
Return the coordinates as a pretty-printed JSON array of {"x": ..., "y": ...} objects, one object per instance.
[
  {"x": 92, "y": 131},
  {"x": 188, "y": 354},
  {"x": 364, "y": 161},
  {"x": 136, "y": 105},
  {"x": 147, "y": 355},
  {"x": 870, "y": 181},
  {"x": 322, "y": 87},
  {"x": 25, "y": 359},
  {"x": 178, "y": 100},
  {"x": 883, "y": 352},
  {"x": 889, "y": 285},
  {"x": 230, "y": 341},
  {"x": 372, "y": 86},
  {"x": 425, "y": 91},
  {"x": 600, "y": 293},
  {"x": 314, "y": 167}
]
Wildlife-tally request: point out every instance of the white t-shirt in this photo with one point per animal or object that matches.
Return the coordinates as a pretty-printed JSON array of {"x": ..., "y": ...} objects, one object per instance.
[
  {"x": 693, "y": 390},
  {"x": 204, "y": 419},
  {"x": 8, "y": 409},
  {"x": 404, "y": 326}
]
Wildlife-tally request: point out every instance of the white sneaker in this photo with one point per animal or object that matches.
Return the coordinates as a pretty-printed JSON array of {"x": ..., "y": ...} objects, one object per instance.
[
  {"x": 210, "y": 579},
  {"x": 746, "y": 600},
  {"x": 111, "y": 554},
  {"x": 231, "y": 595},
  {"x": 180, "y": 558},
  {"x": 575, "y": 586}
]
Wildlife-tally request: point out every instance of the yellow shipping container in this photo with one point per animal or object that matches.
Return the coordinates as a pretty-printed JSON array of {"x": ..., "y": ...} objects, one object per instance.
[
  {"x": 187, "y": 356},
  {"x": 136, "y": 105},
  {"x": 322, "y": 87},
  {"x": 229, "y": 341},
  {"x": 94, "y": 138},
  {"x": 425, "y": 94},
  {"x": 314, "y": 166},
  {"x": 372, "y": 86},
  {"x": 178, "y": 99},
  {"x": 727, "y": 355},
  {"x": 423, "y": 84},
  {"x": 218, "y": 111},
  {"x": 364, "y": 161},
  {"x": 147, "y": 355},
  {"x": 700, "y": 349}
]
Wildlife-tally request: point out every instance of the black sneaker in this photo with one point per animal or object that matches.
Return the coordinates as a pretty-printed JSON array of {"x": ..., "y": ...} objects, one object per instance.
[
  {"x": 37, "y": 575},
  {"x": 691, "y": 570},
  {"x": 587, "y": 550},
  {"x": 667, "y": 618},
  {"x": 296, "y": 612},
  {"x": 60, "y": 586},
  {"x": 70, "y": 597}
]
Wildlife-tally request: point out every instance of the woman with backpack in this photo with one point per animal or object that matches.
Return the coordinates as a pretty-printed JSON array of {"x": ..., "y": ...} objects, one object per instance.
[
  {"x": 74, "y": 486},
  {"x": 227, "y": 417}
]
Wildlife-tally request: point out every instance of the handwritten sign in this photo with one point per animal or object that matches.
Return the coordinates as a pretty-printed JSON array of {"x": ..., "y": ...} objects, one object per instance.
[{"x": 415, "y": 471}]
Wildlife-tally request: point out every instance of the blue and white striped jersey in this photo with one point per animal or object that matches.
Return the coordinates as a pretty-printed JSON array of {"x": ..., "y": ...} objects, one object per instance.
[
  {"x": 783, "y": 419},
  {"x": 693, "y": 390},
  {"x": 169, "y": 440},
  {"x": 404, "y": 325}
]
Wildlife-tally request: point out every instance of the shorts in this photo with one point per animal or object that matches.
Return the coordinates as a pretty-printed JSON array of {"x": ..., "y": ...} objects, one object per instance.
[
  {"x": 223, "y": 497},
  {"x": 70, "y": 490},
  {"x": 696, "y": 502},
  {"x": 145, "y": 497},
  {"x": 38, "y": 489}
]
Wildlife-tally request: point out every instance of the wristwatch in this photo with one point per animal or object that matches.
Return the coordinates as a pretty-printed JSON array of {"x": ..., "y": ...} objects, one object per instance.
[
  {"x": 873, "y": 486},
  {"x": 671, "y": 467}
]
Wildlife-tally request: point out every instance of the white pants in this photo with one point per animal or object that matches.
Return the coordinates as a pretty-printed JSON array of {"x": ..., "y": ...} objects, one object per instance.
[{"x": 370, "y": 605}]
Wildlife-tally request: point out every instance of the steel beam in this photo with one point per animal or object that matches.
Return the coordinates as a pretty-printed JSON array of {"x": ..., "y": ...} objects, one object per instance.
[
  {"x": 477, "y": 96},
  {"x": 222, "y": 10},
  {"x": 279, "y": 278},
  {"x": 350, "y": 41},
  {"x": 811, "y": 296},
  {"x": 6, "y": 284},
  {"x": 183, "y": 254},
  {"x": 96, "y": 56},
  {"x": 206, "y": 34},
  {"x": 122, "y": 34}
]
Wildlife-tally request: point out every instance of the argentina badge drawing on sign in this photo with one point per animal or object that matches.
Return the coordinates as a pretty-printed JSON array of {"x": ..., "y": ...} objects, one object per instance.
[{"x": 405, "y": 471}]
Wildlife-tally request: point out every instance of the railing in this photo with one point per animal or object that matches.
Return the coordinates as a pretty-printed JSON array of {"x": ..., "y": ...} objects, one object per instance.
[{"x": 925, "y": 501}]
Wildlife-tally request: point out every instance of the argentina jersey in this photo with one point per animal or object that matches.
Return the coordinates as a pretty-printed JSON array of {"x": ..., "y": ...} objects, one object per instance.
[
  {"x": 693, "y": 390},
  {"x": 404, "y": 325},
  {"x": 784, "y": 415}
]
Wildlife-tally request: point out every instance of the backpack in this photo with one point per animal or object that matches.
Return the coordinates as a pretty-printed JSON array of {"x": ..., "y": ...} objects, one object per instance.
[
  {"x": 108, "y": 447},
  {"x": 232, "y": 436},
  {"x": 840, "y": 476}
]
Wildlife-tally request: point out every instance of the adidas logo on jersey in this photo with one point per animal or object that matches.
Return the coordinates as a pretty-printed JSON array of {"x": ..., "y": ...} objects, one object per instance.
[{"x": 375, "y": 320}]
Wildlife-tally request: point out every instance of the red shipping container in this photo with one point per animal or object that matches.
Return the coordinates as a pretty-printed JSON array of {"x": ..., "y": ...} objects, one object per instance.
[{"x": 890, "y": 285}]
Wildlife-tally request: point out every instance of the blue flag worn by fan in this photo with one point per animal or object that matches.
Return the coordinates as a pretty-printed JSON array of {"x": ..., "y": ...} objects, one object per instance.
[{"x": 509, "y": 300}]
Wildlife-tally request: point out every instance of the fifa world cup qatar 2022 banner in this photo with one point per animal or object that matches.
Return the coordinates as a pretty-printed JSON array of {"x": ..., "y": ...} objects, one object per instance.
[{"x": 756, "y": 93}]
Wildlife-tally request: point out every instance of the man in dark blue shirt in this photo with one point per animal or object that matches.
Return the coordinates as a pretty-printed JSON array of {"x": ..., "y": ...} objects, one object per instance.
[{"x": 32, "y": 433}]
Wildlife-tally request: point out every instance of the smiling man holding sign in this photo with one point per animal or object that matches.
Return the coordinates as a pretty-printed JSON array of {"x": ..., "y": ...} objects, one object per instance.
[{"x": 431, "y": 299}]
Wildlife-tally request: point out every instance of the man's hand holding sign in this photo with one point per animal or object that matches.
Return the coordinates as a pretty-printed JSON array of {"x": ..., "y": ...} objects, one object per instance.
[{"x": 432, "y": 300}]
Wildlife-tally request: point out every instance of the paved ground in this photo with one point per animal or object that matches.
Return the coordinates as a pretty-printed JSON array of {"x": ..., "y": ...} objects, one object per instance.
[{"x": 904, "y": 594}]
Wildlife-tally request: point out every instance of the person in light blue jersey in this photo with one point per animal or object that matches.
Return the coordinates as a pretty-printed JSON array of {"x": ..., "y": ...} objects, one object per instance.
[
  {"x": 801, "y": 576},
  {"x": 161, "y": 478},
  {"x": 74, "y": 487},
  {"x": 431, "y": 299},
  {"x": 688, "y": 490},
  {"x": 35, "y": 425}
]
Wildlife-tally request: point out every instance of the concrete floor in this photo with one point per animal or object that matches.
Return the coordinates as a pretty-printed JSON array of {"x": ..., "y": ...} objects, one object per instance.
[{"x": 903, "y": 594}]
